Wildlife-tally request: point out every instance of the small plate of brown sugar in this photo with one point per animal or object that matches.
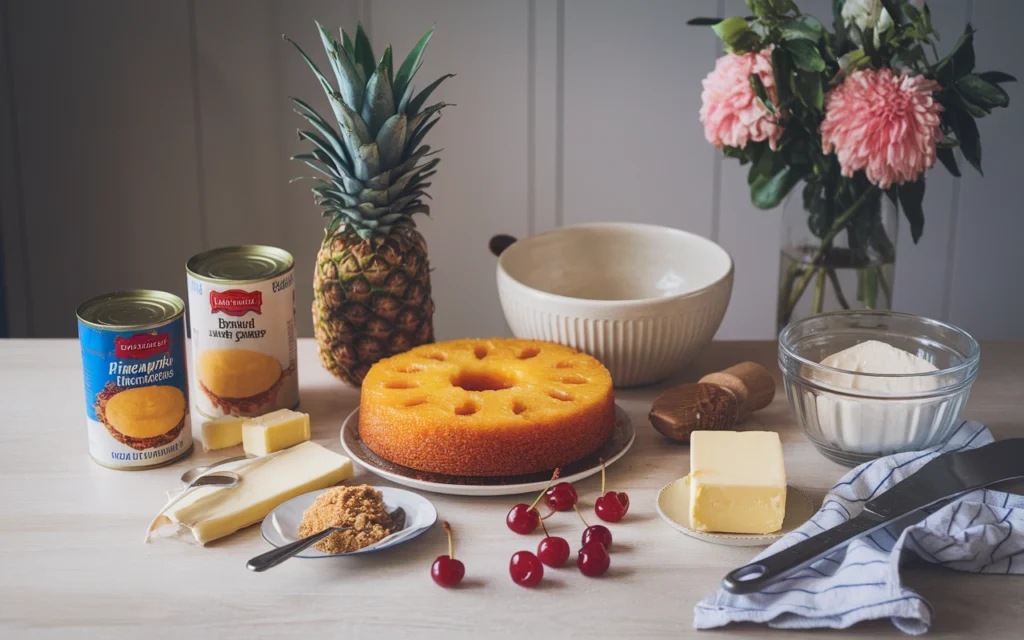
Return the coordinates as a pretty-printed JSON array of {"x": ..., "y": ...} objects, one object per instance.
[{"x": 361, "y": 508}]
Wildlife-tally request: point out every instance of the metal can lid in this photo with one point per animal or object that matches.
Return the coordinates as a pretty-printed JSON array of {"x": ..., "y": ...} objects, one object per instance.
[
  {"x": 131, "y": 309},
  {"x": 240, "y": 265}
]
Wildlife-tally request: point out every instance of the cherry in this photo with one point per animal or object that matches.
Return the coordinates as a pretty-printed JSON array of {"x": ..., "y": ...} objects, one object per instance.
[
  {"x": 593, "y": 559},
  {"x": 525, "y": 569},
  {"x": 596, "y": 533},
  {"x": 611, "y": 506},
  {"x": 552, "y": 551},
  {"x": 522, "y": 518},
  {"x": 561, "y": 497},
  {"x": 446, "y": 570}
]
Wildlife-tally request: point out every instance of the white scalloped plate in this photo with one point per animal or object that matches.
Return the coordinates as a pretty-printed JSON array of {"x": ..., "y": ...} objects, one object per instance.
[{"x": 674, "y": 506}]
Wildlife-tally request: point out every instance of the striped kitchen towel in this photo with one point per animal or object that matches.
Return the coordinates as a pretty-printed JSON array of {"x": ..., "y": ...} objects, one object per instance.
[{"x": 982, "y": 532}]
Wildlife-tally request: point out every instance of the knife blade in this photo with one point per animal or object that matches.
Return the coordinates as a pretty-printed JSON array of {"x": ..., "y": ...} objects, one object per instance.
[{"x": 944, "y": 478}]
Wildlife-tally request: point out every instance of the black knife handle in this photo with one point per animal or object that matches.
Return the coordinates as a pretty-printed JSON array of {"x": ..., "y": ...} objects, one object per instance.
[{"x": 756, "y": 575}]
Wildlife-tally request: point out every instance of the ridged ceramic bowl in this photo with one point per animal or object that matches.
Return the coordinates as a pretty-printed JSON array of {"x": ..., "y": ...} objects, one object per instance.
[{"x": 642, "y": 299}]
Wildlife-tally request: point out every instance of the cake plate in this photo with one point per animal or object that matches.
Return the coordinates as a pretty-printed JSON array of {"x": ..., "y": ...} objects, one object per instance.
[{"x": 614, "y": 448}]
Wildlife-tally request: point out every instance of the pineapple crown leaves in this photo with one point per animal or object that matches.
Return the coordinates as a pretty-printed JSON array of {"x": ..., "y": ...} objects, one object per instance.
[{"x": 372, "y": 169}]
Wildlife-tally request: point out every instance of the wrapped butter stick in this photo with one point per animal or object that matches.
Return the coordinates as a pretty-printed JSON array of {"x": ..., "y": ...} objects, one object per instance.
[{"x": 211, "y": 513}]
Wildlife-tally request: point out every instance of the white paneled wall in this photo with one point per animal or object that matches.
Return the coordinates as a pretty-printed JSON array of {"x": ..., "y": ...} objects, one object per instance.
[{"x": 135, "y": 134}]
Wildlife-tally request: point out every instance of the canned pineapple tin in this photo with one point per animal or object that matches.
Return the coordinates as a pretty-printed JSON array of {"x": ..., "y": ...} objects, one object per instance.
[
  {"x": 136, "y": 383},
  {"x": 241, "y": 303}
]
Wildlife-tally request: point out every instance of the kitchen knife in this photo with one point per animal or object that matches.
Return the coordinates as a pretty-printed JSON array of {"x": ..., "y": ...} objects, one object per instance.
[{"x": 947, "y": 476}]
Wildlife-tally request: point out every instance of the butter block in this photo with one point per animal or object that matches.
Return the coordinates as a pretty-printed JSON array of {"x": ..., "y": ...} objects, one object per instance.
[
  {"x": 274, "y": 431},
  {"x": 221, "y": 433},
  {"x": 737, "y": 481},
  {"x": 214, "y": 512}
]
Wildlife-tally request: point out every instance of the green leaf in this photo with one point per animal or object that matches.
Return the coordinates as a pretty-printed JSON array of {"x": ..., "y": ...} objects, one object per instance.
[
  {"x": 385, "y": 62},
  {"x": 911, "y": 197},
  {"x": 761, "y": 92},
  {"x": 970, "y": 140},
  {"x": 324, "y": 82},
  {"x": 703, "y": 22},
  {"x": 769, "y": 192},
  {"x": 369, "y": 155},
  {"x": 948, "y": 160},
  {"x": 805, "y": 55},
  {"x": 420, "y": 118},
  {"x": 996, "y": 77},
  {"x": 391, "y": 140},
  {"x": 417, "y": 103},
  {"x": 416, "y": 137},
  {"x": 982, "y": 93},
  {"x": 731, "y": 29},
  {"x": 350, "y": 85},
  {"x": 783, "y": 6},
  {"x": 808, "y": 86},
  {"x": 802, "y": 28},
  {"x": 960, "y": 60},
  {"x": 410, "y": 65},
  {"x": 379, "y": 102},
  {"x": 363, "y": 52}
]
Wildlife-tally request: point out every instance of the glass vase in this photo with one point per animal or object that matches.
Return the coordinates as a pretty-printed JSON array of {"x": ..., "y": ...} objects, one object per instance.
[{"x": 837, "y": 252}]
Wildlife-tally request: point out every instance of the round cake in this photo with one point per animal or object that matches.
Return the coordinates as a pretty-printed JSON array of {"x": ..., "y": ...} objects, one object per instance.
[{"x": 497, "y": 407}]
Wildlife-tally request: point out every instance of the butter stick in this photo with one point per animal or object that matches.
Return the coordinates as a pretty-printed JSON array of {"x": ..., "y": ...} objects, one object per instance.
[
  {"x": 221, "y": 433},
  {"x": 274, "y": 431},
  {"x": 214, "y": 512},
  {"x": 737, "y": 481}
]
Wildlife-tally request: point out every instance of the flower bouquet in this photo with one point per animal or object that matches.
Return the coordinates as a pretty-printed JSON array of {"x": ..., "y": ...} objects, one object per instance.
[{"x": 856, "y": 114}]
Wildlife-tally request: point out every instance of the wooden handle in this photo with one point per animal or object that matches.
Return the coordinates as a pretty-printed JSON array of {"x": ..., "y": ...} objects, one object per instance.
[{"x": 752, "y": 384}]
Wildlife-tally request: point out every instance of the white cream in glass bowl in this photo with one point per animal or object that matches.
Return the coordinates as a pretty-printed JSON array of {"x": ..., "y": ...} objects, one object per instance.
[
  {"x": 642, "y": 299},
  {"x": 865, "y": 384}
]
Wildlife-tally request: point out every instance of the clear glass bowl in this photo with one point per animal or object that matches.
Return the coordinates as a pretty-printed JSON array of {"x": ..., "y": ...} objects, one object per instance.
[{"x": 855, "y": 417}]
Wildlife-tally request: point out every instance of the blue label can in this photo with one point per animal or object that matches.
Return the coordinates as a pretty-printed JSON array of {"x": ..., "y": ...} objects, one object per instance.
[{"x": 136, "y": 382}]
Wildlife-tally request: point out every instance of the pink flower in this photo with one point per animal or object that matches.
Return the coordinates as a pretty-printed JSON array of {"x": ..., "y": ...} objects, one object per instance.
[
  {"x": 884, "y": 124},
  {"x": 731, "y": 113}
]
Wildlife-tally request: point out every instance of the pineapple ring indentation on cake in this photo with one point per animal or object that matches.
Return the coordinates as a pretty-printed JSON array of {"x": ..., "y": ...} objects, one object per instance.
[{"x": 486, "y": 407}]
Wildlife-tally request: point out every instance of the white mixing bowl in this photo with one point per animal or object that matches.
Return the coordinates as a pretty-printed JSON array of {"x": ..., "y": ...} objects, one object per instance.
[{"x": 642, "y": 299}]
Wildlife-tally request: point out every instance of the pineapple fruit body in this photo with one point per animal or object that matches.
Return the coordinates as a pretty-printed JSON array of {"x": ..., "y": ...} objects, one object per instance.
[{"x": 371, "y": 299}]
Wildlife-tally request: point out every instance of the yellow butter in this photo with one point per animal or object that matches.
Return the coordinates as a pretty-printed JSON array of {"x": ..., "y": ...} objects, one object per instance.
[
  {"x": 222, "y": 433},
  {"x": 737, "y": 481},
  {"x": 214, "y": 512},
  {"x": 274, "y": 431}
]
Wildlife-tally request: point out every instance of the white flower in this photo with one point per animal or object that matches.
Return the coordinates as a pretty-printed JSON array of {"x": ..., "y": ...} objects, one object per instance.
[{"x": 867, "y": 14}]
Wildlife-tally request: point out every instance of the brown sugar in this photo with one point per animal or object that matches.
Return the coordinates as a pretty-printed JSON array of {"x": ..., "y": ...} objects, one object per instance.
[{"x": 360, "y": 507}]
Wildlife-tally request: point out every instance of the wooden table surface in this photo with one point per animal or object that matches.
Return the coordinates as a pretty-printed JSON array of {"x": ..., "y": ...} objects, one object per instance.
[{"x": 72, "y": 560}]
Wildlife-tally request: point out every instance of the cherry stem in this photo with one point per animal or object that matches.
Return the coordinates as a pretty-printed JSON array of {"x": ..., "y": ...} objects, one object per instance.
[
  {"x": 602, "y": 475},
  {"x": 546, "y": 534},
  {"x": 580, "y": 515},
  {"x": 549, "y": 514},
  {"x": 451, "y": 545},
  {"x": 554, "y": 476}
]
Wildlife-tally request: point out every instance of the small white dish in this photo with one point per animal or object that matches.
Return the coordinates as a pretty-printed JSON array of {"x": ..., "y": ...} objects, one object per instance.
[
  {"x": 643, "y": 299},
  {"x": 614, "y": 448},
  {"x": 674, "y": 506},
  {"x": 281, "y": 527}
]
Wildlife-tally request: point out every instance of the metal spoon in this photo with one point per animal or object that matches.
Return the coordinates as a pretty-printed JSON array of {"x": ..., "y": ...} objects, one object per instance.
[
  {"x": 215, "y": 479},
  {"x": 189, "y": 476},
  {"x": 276, "y": 556}
]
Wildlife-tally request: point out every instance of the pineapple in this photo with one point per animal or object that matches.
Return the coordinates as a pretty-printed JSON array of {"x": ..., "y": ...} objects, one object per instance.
[{"x": 371, "y": 285}]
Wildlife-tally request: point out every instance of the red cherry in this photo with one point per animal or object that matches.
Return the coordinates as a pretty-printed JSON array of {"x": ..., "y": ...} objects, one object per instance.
[
  {"x": 561, "y": 497},
  {"x": 611, "y": 506},
  {"x": 596, "y": 533},
  {"x": 522, "y": 519},
  {"x": 552, "y": 551},
  {"x": 525, "y": 569},
  {"x": 593, "y": 559},
  {"x": 446, "y": 570}
]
